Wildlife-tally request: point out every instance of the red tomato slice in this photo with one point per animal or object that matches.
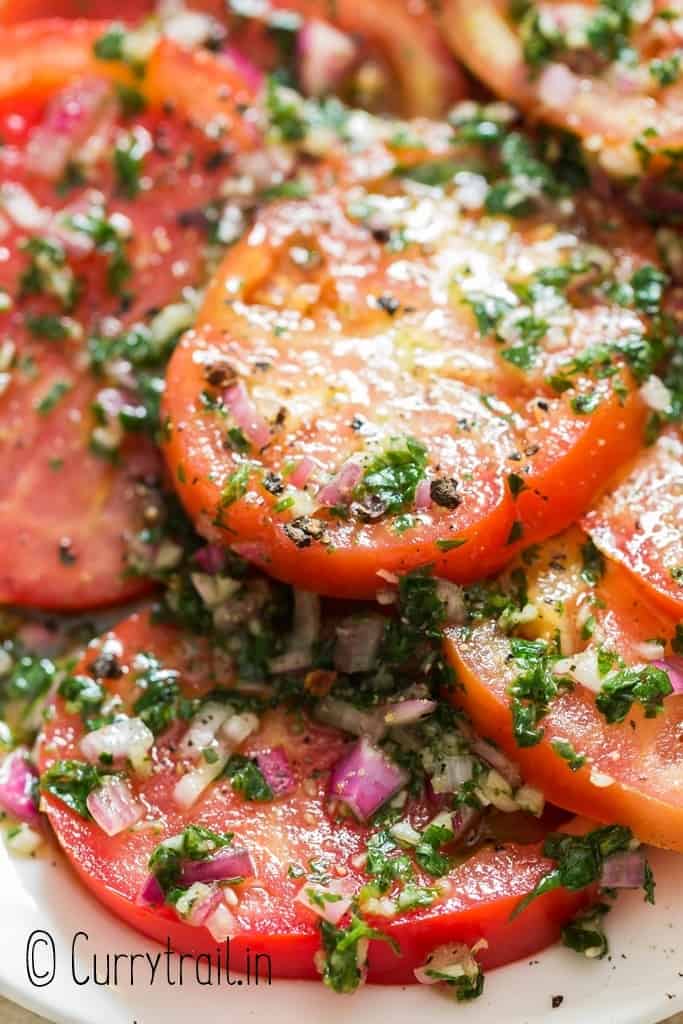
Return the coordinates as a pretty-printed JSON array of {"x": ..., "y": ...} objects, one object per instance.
[
  {"x": 333, "y": 345},
  {"x": 632, "y": 770},
  {"x": 66, "y": 513},
  {"x": 407, "y": 64},
  {"x": 584, "y": 90},
  {"x": 638, "y": 522},
  {"x": 288, "y": 831}
]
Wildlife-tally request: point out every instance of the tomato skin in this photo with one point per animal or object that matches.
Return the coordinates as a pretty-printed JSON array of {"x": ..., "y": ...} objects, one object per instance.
[
  {"x": 638, "y": 521},
  {"x": 640, "y": 756},
  {"x": 483, "y": 890}
]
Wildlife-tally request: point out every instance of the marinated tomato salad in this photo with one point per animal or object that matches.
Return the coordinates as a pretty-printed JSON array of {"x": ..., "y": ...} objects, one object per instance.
[{"x": 341, "y": 509}]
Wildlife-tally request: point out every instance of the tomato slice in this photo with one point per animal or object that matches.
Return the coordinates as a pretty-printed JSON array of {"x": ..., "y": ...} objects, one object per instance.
[
  {"x": 638, "y": 522},
  {"x": 399, "y": 53},
  {"x": 67, "y": 513},
  {"x": 332, "y": 347},
  {"x": 631, "y": 770},
  {"x": 285, "y": 833},
  {"x": 580, "y": 86}
]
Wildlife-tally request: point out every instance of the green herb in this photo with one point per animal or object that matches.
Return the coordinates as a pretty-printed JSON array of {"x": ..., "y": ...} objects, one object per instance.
[
  {"x": 578, "y": 859},
  {"x": 71, "y": 782},
  {"x": 246, "y": 778},
  {"x": 110, "y": 45},
  {"x": 540, "y": 38},
  {"x": 451, "y": 545},
  {"x": 341, "y": 969},
  {"x": 435, "y": 172},
  {"x": 30, "y": 678},
  {"x": 52, "y": 397},
  {"x": 128, "y": 166},
  {"x": 48, "y": 326},
  {"x": 592, "y": 563},
  {"x": 157, "y": 705},
  {"x": 427, "y": 851},
  {"x": 107, "y": 239},
  {"x": 131, "y": 100},
  {"x": 236, "y": 485},
  {"x": 488, "y": 310},
  {"x": 532, "y": 691},
  {"x": 565, "y": 750},
  {"x": 82, "y": 694},
  {"x": 384, "y": 863},
  {"x": 666, "y": 70},
  {"x": 48, "y": 272},
  {"x": 584, "y": 404},
  {"x": 72, "y": 178},
  {"x": 647, "y": 686},
  {"x": 194, "y": 843},
  {"x": 391, "y": 478},
  {"x": 287, "y": 190},
  {"x": 585, "y": 933}
]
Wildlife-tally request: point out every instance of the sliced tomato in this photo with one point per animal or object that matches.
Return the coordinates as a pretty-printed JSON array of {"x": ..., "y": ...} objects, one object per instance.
[
  {"x": 632, "y": 770},
  {"x": 67, "y": 513},
  {"x": 334, "y": 345},
  {"x": 583, "y": 87},
  {"x": 288, "y": 832},
  {"x": 638, "y": 522}
]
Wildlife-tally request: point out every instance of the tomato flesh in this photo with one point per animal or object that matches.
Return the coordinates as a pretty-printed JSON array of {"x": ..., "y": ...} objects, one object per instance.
[
  {"x": 633, "y": 769},
  {"x": 67, "y": 513},
  {"x": 332, "y": 375},
  {"x": 638, "y": 522},
  {"x": 288, "y": 831}
]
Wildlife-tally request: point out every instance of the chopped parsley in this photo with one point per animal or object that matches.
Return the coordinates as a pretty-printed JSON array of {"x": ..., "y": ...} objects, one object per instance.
[
  {"x": 390, "y": 479},
  {"x": 71, "y": 782},
  {"x": 566, "y": 751},
  {"x": 247, "y": 778},
  {"x": 647, "y": 686},
  {"x": 342, "y": 966},
  {"x": 585, "y": 933}
]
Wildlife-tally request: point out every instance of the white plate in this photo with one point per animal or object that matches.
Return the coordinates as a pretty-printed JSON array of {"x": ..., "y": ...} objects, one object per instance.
[{"x": 639, "y": 984}]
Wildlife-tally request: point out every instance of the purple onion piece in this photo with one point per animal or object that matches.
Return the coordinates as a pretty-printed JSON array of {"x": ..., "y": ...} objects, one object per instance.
[
  {"x": 325, "y": 55},
  {"x": 302, "y": 472},
  {"x": 364, "y": 778},
  {"x": 340, "y": 487},
  {"x": 358, "y": 643},
  {"x": 151, "y": 894},
  {"x": 226, "y": 864},
  {"x": 276, "y": 770},
  {"x": 624, "y": 870},
  {"x": 113, "y": 806},
  {"x": 246, "y": 415},
  {"x": 423, "y": 495},
  {"x": 210, "y": 558},
  {"x": 17, "y": 787},
  {"x": 673, "y": 667},
  {"x": 405, "y": 712}
]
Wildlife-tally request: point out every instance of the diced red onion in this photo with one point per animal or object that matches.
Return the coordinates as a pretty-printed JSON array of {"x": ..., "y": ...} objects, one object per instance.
[
  {"x": 300, "y": 475},
  {"x": 364, "y": 779},
  {"x": 454, "y": 602},
  {"x": 203, "y": 728},
  {"x": 463, "y": 821},
  {"x": 358, "y": 643},
  {"x": 226, "y": 864},
  {"x": 251, "y": 550},
  {"x": 405, "y": 712},
  {"x": 17, "y": 785},
  {"x": 305, "y": 631},
  {"x": 203, "y": 908},
  {"x": 456, "y": 770},
  {"x": 497, "y": 759},
  {"x": 455, "y": 960},
  {"x": 71, "y": 116},
  {"x": 423, "y": 496},
  {"x": 341, "y": 714},
  {"x": 673, "y": 667},
  {"x": 340, "y": 487},
  {"x": 190, "y": 786},
  {"x": 151, "y": 894},
  {"x": 275, "y": 767},
  {"x": 557, "y": 86},
  {"x": 113, "y": 806},
  {"x": 342, "y": 891},
  {"x": 251, "y": 75},
  {"x": 246, "y": 415},
  {"x": 325, "y": 55},
  {"x": 583, "y": 668},
  {"x": 625, "y": 870},
  {"x": 210, "y": 558},
  {"x": 221, "y": 923},
  {"x": 127, "y": 738}
]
